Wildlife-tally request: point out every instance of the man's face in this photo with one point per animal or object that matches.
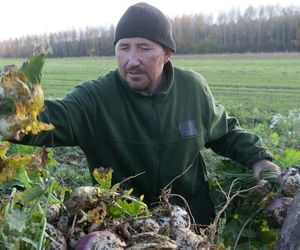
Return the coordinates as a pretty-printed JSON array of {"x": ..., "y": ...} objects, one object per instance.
[{"x": 141, "y": 62}]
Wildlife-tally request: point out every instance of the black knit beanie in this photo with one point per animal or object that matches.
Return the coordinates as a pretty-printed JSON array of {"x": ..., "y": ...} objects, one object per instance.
[{"x": 144, "y": 20}]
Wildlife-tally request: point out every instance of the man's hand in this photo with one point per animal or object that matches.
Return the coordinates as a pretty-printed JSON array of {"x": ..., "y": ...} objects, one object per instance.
[
  {"x": 257, "y": 169},
  {"x": 263, "y": 166}
]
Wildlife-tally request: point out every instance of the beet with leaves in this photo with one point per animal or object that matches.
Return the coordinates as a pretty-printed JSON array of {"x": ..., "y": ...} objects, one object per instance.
[{"x": 22, "y": 97}]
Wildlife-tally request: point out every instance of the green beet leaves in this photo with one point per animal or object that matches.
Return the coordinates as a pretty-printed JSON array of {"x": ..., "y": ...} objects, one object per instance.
[{"x": 32, "y": 68}]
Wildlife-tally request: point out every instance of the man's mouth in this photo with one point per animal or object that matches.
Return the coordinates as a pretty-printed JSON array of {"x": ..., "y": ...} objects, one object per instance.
[{"x": 135, "y": 71}]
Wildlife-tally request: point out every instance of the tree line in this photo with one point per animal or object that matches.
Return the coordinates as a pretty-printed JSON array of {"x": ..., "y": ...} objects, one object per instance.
[{"x": 269, "y": 28}]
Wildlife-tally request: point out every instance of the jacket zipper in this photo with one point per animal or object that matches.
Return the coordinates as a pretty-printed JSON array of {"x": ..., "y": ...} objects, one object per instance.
[{"x": 157, "y": 167}]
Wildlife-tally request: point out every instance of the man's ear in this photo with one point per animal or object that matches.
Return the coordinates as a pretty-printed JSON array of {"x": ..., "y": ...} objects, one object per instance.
[{"x": 168, "y": 54}]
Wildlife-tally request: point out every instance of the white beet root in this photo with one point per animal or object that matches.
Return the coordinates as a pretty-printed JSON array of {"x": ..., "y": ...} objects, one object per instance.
[
  {"x": 187, "y": 239},
  {"x": 53, "y": 213},
  {"x": 64, "y": 222},
  {"x": 9, "y": 126},
  {"x": 82, "y": 197},
  {"x": 144, "y": 225},
  {"x": 57, "y": 239},
  {"x": 289, "y": 179},
  {"x": 276, "y": 211},
  {"x": 151, "y": 240},
  {"x": 75, "y": 237},
  {"x": 177, "y": 217}
]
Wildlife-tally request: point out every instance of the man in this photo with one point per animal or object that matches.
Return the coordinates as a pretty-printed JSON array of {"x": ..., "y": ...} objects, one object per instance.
[{"x": 149, "y": 116}]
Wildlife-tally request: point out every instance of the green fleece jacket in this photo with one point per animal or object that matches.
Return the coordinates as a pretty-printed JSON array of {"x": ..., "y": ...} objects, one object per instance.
[{"x": 161, "y": 134}]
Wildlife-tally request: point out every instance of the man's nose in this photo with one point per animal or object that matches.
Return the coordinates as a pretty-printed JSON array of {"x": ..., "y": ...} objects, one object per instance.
[{"x": 133, "y": 59}]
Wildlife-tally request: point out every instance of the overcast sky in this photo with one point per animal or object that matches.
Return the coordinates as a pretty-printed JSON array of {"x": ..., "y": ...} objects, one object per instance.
[{"x": 27, "y": 17}]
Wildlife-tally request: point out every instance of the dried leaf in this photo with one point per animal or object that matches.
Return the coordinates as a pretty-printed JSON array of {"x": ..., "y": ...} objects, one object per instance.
[
  {"x": 97, "y": 214},
  {"x": 103, "y": 176}
]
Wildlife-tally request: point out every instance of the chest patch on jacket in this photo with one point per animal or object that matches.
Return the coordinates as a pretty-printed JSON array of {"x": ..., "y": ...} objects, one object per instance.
[{"x": 187, "y": 128}]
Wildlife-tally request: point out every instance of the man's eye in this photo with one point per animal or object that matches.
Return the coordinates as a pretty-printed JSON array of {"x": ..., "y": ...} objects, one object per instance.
[
  {"x": 123, "y": 48},
  {"x": 145, "y": 48}
]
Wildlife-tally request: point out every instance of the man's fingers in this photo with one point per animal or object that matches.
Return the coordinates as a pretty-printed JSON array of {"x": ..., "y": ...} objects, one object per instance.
[{"x": 256, "y": 173}]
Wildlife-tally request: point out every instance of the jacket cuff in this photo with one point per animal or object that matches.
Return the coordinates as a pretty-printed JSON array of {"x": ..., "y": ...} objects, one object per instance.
[{"x": 262, "y": 155}]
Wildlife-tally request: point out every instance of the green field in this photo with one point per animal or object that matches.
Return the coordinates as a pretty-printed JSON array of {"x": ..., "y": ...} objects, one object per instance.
[{"x": 256, "y": 80}]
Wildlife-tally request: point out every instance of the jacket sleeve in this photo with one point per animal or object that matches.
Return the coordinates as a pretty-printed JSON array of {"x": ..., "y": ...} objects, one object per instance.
[
  {"x": 73, "y": 118},
  {"x": 227, "y": 138}
]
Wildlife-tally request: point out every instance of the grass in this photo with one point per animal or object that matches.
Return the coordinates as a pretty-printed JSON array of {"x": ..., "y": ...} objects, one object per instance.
[{"x": 271, "y": 81}]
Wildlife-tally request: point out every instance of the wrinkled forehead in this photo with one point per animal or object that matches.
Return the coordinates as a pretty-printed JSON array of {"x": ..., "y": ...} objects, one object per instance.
[{"x": 138, "y": 41}]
